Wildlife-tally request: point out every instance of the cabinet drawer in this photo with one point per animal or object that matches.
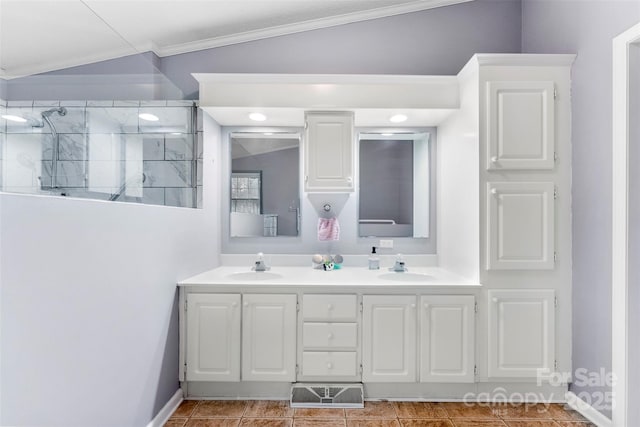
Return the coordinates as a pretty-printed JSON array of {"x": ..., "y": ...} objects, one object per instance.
[
  {"x": 329, "y": 307},
  {"x": 330, "y": 335},
  {"x": 321, "y": 363}
]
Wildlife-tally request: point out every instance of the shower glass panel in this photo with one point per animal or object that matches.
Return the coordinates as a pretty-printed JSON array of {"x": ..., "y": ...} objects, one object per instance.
[{"x": 126, "y": 151}]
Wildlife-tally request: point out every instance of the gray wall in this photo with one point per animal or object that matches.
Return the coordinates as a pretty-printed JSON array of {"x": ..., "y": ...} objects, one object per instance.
[
  {"x": 386, "y": 180},
  {"x": 586, "y": 28},
  {"x": 438, "y": 41},
  {"x": 280, "y": 184}
]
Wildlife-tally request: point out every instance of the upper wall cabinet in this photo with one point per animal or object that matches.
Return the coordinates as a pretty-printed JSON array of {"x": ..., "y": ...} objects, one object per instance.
[
  {"x": 520, "y": 125},
  {"x": 520, "y": 225},
  {"x": 329, "y": 152}
]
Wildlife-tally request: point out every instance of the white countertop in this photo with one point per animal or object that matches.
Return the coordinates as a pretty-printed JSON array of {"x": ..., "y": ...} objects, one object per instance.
[{"x": 345, "y": 276}]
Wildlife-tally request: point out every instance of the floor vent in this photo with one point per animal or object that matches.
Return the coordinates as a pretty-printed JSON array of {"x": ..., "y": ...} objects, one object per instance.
[{"x": 327, "y": 396}]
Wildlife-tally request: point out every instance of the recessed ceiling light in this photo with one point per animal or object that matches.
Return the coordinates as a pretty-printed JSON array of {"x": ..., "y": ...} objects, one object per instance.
[
  {"x": 387, "y": 134},
  {"x": 13, "y": 118},
  {"x": 257, "y": 117},
  {"x": 268, "y": 133},
  {"x": 148, "y": 117},
  {"x": 398, "y": 118}
]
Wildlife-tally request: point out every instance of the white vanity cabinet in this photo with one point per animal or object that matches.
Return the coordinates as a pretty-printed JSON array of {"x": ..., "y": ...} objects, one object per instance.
[
  {"x": 520, "y": 229},
  {"x": 521, "y": 130},
  {"x": 330, "y": 341},
  {"x": 389, "y": 338},
  {"x": 447, "y": 331},
  {"x": 233, "y": 337},
  {"x": 329, "y": 152},
  {"x": 213, "y": 337},
  {"x": 521, "y": 336},
  {"x": 269, "y": 337}
]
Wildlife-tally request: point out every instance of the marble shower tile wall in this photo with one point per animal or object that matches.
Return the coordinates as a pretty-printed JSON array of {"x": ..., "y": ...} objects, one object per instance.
[{"x": 104, "y": 148}]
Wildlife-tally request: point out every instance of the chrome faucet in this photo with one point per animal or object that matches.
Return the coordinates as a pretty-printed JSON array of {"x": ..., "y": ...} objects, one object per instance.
[
  {"x": 399, "y": 266},
  {"x": 260, "y": 264}
]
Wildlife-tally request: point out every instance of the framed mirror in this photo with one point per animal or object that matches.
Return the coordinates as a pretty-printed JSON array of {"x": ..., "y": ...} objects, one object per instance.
[
  {"x": 264, "y": 198},
  {"x": 394, "y": 185}
]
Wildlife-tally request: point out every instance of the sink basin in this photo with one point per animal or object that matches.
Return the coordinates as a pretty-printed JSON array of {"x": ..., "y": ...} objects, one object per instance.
[
  {"x": 406, "y": 277},
  {"x": 255, "y": 275}
]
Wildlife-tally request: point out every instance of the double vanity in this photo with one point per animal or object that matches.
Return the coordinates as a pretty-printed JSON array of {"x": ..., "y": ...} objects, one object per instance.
[
  {"x": 300, "y": 324},
  {"x": 484, "y": 310}
]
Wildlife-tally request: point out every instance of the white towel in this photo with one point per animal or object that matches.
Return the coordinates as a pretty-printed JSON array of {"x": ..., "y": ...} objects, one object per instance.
[{"x": 328, "y": 229}]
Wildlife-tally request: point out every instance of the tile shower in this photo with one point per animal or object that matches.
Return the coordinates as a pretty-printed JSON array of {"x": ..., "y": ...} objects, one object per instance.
[{"x": 104, "y": 150}]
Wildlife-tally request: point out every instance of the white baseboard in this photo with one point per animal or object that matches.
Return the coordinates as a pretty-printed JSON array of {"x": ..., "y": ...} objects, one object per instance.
[
  {"x": 165, "y": 413},
  {"x": 588, "y": 411}
]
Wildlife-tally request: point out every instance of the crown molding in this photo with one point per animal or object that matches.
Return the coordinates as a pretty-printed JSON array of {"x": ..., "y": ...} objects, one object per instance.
[{"x": 314, "y": 24}]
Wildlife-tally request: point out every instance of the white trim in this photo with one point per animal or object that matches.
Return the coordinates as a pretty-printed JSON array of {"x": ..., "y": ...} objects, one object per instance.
[
  {"x": 525, "y": 59},
  {"x": 588, "y": 411},
  {"x": 315, "y": 24},
  {"x": 169, "y": 408},
  {"x": 620, "y": 222}
]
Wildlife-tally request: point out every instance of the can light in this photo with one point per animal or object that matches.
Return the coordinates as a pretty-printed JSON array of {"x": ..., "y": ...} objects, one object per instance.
[
  {"x": 257, "y": 117},
  {"x": 148, "y": 117},
  {"x": 398, "y": 118},
  {"x": 13, "y": 118}
]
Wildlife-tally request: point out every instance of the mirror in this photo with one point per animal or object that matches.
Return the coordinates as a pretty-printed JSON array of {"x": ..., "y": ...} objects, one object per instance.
[
  {"x": 394, "y": 185},
  {"x": 265, "y": 175}
]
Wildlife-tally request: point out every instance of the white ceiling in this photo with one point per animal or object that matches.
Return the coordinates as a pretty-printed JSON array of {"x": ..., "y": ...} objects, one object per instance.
[{"x": 44, "y": 35}]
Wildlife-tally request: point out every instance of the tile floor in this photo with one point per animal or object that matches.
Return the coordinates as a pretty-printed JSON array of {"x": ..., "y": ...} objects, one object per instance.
[{"x": 264, "y": 413}]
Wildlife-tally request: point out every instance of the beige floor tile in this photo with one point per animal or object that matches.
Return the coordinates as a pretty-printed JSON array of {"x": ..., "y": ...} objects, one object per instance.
[
  {"x": 319, "y": 422},
  {"x": 175, "y": 422},
  {"x": 372, "y": 423},
  {"x": 384, "y": 410},
  {"x": 559, "y": 411},
  {"x": 319, "y": 413},
  {"x": 185, "y": 409},
  {"x": 531, "y": 423},
  {"x": 461, "y": 422},
  {"x": 268, "y": 409},
  {"x": 469, "y": 410},
  {"x": 426, "y": 423},
  {"x": 524, "y": 411},
  {"x": 575, "y": 424},
  {"x": 419, "y": 410},
  {"x": 213, "y": 422},
  {"x": 266, "y": 422},
  {"x": 219, "y": 409}
]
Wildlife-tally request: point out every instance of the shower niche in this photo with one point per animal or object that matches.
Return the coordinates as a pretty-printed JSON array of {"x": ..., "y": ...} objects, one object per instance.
[{"x": 127, "y": 151}]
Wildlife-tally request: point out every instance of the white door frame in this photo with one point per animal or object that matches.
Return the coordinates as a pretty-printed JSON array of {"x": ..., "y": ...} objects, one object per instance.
[{"x": 620, "y": 220}]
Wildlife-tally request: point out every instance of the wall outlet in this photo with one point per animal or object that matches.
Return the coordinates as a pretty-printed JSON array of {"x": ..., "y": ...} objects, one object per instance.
[{"x": 388, "y": 244}]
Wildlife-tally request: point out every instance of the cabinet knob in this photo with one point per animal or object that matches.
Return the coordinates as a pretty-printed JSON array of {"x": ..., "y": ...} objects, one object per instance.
[
  {"x": 349, "y": 179},
  {"x": 494, "y": 159},
  {"x": 330, "y": 336},
  {"x": 494, "y": 299},
  {"x": 329, "y": 306},
  {"x": 413, "y": 306},
  {"x": 246, "y": 304},
  {"x": 329, "y": 365},
  {"x": 234, "y": 304},
  {"x": 494, "y": 191}
]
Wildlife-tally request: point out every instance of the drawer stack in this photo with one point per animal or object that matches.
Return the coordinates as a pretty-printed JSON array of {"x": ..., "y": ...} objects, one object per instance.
[{"x": 330, "y": 338}]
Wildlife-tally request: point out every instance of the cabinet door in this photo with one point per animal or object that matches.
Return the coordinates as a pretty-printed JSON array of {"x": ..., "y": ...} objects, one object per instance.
[
  {"x": 520, "y": 125},
  {"x": 329, "y": 152},
  {"x": 269, "y": 337},
  {"x": 389, "y": 338},
  {"x": 521, "y": 333},
  {"x": 213, "y": 337},
  {"x": 520, "y": 232},
  {"x": 447, "y": 338}
]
